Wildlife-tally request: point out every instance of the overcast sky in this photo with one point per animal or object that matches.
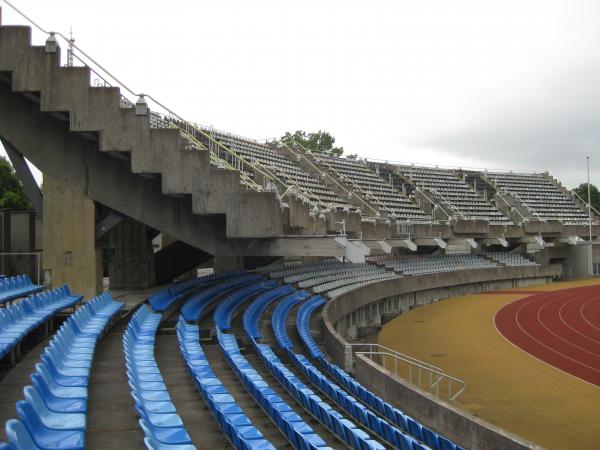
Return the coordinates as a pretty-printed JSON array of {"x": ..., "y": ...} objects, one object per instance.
[{"x": 483, "y": 84}]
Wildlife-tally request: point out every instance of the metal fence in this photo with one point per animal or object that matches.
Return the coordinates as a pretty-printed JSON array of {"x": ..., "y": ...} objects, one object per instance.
[
  {"x": 19, "y": 263},
  {"x": 418, "y": 373}
]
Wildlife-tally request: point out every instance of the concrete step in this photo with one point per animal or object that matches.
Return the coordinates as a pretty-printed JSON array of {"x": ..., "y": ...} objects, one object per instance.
[
  {"x": 256, "y": 415},
  {"x": 329, "y": 437},
  {"x": 195, "y": 414},
  {"x": 112, "y": 418},
  {"x": 161, "y": 151}
]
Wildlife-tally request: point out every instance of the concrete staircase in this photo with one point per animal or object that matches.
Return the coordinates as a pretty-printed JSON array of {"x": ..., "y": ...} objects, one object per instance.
[{"x": 98, "y": 115}]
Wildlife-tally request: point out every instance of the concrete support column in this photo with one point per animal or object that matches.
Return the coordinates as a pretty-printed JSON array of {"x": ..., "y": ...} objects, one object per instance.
[{"x": 70, "y": 252}]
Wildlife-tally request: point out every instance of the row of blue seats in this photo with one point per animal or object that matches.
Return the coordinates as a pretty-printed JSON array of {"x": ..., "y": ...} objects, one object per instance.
[
  {"x": 303, "y": 325},
  {"x": 161, "y": 300},
  {"x": 196, "y": 305},
  {"x": 256, "y": 309},
  {"x": 344, "y": 429},
  {"x": 53, "y": 414},
  {"x": 297, "y": 432},
  {"x": 159, "y": 420},
  {"x": 280, "y": 316},
  {"x": 375, "y": 403},
  {"x": 230, "y": 417},
  {"x": 18, "y": 320},
  {"x": 16, "y": 287},
  {"x": 224, "y": 312},
  {"x": 358, "y": 411}
]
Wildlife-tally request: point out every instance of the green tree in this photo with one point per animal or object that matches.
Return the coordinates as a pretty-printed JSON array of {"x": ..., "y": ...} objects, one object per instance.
[
  {"x": 582, "y": 191},
  {"x": 319, "y": 142},
  {"x": 12, "y": 194}
]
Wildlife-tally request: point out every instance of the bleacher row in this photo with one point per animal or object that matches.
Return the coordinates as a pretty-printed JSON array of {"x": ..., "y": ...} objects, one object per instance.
[
  {"x": 349, "y": 417},
  {"x": 53, "y": 414},
  {"x": 390, "y": 188}
]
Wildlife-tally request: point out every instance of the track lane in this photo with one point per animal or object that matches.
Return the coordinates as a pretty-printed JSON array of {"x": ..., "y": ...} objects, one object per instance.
[{"x": 561, "y": 328}]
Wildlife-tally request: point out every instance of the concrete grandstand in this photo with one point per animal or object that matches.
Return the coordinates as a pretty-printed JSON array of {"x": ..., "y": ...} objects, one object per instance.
[{"x": 312, "y": 254}]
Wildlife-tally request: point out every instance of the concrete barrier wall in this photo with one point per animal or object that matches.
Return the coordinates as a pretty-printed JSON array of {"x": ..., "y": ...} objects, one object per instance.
[
  {"x": 465, "y": 429},
  {"x": 451, "y": 422}
]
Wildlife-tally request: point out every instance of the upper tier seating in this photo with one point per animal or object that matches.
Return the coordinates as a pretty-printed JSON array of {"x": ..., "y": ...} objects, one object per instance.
[
  {"x": 426, "y": 264},
  {"x": 255, "y": 152},
  {"x": 159, "y": 420},
  {"x": 510, "y": 259},
  {"x": 12, "y": 288},
  {"x": 461, "y": 200},
  {"x": 540, "y": 195},
  {"x": 18, "y": 320},
  {"x": 375, "y": 403},
  {"x": 53, "y": 414},
  {"x": 373, "y": 189}
]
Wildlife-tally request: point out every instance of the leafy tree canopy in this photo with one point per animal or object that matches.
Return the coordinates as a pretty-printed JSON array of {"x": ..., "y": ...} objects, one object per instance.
[
  {"x": 319, "y": 142},
  {"x": 582, "y": 191},
  {"x": 12, "y": 194}
]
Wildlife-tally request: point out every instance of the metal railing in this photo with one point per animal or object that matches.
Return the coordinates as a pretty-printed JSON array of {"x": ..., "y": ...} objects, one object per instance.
[
  {"x": 587, "y": 205},
  {"x": 511, "y": 208},
  {"x": 450, "y": 204},
  {"x": 7, "y": 265},
  {"x": 170, "y": 119},
  {"x": 323, "y": 173},
  {"x": 418, "y": 373},
  {"x": 436, "y": 207}
]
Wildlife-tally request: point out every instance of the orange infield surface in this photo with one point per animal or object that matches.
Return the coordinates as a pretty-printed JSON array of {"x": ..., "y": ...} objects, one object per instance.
[{"x": 516, "y": 385}]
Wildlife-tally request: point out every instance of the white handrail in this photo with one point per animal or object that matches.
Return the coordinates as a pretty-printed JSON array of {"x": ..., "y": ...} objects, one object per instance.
[
  {"x": 190, "y": 129},
  {"x": 418, "y": 189},
  {"x": 436, "y": 377},
  {"x": 588, "y": 205}
]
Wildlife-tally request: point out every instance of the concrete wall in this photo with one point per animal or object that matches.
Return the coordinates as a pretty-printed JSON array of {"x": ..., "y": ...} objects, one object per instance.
[
  {"x": 130, "y": 255},
  {"x": 343, "y": 315},
  {"x": 453, "y": 423},
  {"x": 70, "y": 252}
]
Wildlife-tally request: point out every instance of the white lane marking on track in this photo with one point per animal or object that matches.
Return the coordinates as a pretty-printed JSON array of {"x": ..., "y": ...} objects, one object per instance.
[
  {"x": 549, "y": 348},
  {"x": 563, "y": 320}
]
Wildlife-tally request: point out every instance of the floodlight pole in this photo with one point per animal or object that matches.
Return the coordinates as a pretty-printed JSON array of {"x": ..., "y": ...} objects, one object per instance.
[{"x": 591, "y": 265}]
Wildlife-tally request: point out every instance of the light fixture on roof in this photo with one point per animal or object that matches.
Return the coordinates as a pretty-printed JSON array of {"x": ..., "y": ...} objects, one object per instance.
[{"x": 51, "y": 44}]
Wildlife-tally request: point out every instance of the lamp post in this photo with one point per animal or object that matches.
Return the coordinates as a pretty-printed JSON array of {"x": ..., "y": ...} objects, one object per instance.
[{"x": 591, "y": 265}]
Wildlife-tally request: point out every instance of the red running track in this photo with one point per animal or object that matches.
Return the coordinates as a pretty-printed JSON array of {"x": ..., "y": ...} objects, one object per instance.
[{"x": 561, "y": 328}]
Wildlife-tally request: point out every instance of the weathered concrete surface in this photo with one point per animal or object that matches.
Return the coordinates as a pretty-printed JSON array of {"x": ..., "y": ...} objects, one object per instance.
[
  {"x": 451, "y": 422},
  {"x": 70, "y": 255},
  {"x": 130, "y": 255}
]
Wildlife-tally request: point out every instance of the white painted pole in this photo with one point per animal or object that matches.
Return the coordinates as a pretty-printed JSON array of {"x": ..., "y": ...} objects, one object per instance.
[{"x": 591, "y": 266}]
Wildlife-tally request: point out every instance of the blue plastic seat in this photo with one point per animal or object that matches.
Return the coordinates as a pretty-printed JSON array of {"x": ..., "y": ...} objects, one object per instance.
[{"x": 45, "y": 437}]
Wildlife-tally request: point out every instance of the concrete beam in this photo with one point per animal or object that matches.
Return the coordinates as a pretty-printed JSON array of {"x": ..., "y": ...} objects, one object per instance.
[
  {"x": 570, "y": 240},
  {"x": 388, "y": 244},
  {"x": 435, "y": 242},
  {"x": 108, "y": 223},
  {"x": 296, "y": 246},
  {"x": 24, "y": 173},
  {"x": 494, "y": 241}
]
